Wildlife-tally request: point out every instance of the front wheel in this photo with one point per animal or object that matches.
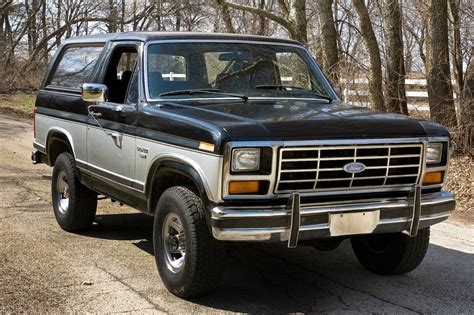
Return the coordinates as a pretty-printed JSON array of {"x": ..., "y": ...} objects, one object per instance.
[
  {"x": 391, "y": 254},
  {"x": 190, "y": 261}
]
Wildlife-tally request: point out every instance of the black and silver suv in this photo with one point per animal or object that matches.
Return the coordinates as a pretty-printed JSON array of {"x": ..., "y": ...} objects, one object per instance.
[{"x": 234, "y": 138}]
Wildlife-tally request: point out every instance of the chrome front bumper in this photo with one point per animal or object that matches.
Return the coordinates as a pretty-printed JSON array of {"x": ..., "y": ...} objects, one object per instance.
[{"x": 309, "y": 221}]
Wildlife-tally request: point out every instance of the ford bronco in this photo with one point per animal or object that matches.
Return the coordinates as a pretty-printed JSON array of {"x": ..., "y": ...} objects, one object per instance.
[{"x": 234, "y": 138}]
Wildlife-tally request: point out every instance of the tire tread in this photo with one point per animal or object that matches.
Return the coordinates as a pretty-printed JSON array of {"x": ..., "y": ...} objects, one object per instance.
[
  {"x": 208, "y": 252},
  {"x": 407, "y": 253}
]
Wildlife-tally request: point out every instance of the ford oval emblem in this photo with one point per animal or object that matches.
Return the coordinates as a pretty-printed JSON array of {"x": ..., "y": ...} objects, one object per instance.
[{"x": 354, "y": 167}]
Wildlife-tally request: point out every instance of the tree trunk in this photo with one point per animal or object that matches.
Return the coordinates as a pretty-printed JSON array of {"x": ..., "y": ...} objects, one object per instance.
[
  {"x": 178, "y": 15},
  {"x": 44, "y": 28},
  {"x": 395, "y": 72},
  {"x": 467, "y": 106},
  {"x": 440, "y": 92},
  {"x": 30, "y": 26},
  {"x": 375, "y": 79},
  {"x": 328, "y": 40},
  {"x": 122, "y": 16},
  {"x": 134, "y": 14},
  {"x": 5, "y": 37},
  {"x": 9, "y": 40},
  {"x": 456, "y": 45},
  {"x": 113, "y": 17},
  {"x": 261, "y": 19},
  {"x": 3, "y": 43},
  {"x": 298, "y": 18},
  {"x": 58, "y": 20},
  {"x": 226, "y": 16}
]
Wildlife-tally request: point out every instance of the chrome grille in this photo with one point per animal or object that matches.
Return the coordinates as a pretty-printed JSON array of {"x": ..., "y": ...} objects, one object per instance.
[{"x": 322, "y": 168}]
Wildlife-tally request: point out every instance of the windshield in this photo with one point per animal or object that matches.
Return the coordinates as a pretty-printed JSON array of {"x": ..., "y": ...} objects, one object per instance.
[{"x": 253, "y": 70}]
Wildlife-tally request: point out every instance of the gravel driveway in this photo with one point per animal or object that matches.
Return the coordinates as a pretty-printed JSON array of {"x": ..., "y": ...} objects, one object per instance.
[{"x": 111, "y": 267}]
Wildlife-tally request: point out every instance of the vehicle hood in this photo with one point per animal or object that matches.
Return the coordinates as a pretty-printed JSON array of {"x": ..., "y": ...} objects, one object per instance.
[{"x": 287, "y": 120}]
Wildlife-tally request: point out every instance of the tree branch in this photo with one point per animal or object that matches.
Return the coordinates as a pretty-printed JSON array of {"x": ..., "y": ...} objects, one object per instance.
[
  {"x": 284, "y": 8},
  {"x": 269, "y": 15},
  {"x": 61, "y": 30}
]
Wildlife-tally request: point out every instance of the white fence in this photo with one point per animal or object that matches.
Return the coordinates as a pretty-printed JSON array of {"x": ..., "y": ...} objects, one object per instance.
[
  {"x": 171, "y": 76},
  {"x": 356, "y": 92}
]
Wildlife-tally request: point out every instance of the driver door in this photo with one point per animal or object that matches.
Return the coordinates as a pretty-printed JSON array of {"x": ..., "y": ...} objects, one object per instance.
[{"x": 111, "y": 143}]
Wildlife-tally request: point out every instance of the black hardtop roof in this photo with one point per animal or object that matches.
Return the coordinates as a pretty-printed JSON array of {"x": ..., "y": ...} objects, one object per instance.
[{"x": 150, "y": 36}]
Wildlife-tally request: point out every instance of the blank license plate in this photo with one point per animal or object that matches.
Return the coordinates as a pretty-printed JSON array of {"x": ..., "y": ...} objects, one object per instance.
[{"x": 353, "y": 223}]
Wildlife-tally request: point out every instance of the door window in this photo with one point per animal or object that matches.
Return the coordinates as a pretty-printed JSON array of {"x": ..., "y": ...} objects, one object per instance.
[
  {"x": 119, "y": 73},
  {"x": 132, "y": 93}
]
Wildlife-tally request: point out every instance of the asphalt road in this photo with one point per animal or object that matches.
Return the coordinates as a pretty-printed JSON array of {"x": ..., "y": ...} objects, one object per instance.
[{"x": 111, "y": 267}]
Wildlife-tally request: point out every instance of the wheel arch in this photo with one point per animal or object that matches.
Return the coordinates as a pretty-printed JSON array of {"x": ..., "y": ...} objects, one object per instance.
[
  {"x": 58, "y": 140},
  {"x": 172, "y": 169}
]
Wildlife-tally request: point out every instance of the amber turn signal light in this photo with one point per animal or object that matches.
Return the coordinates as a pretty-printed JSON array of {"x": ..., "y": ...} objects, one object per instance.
[
  {"x": 244, "y": 187},
  {"x": 433, "y": 178}
]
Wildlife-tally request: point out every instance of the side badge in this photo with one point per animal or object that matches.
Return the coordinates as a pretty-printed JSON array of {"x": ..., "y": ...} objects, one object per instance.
[{"x": 142, "y": 152}]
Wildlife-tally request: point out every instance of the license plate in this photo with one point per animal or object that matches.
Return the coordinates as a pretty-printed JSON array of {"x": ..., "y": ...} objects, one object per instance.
[{"x": 353, "y": 223}]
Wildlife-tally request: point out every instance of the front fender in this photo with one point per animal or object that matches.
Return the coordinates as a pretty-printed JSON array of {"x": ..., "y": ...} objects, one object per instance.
[{"x": 184, "y": 166}]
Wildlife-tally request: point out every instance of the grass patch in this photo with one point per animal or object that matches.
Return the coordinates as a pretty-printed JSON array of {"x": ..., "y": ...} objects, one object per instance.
[{"x": 20, "y": 103}]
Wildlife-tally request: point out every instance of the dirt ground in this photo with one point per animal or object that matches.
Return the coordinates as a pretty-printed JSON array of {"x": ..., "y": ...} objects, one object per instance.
[{"x": 111, "y": 268}]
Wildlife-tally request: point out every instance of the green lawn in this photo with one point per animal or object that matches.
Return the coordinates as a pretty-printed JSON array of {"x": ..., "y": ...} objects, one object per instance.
[{"x": 20, "y": 103}]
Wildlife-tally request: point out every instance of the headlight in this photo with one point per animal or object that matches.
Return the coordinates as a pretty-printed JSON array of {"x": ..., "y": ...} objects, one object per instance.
[
  {"x": 434, "y": 152},
  {"x": 245, "y": 160}
]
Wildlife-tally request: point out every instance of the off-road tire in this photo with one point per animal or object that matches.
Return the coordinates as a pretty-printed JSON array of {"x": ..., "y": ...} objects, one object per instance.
[
  {"x": 204, "y": 259},
  {"x": 82, "y": 203},
  {"x": 391, "y": 254}
]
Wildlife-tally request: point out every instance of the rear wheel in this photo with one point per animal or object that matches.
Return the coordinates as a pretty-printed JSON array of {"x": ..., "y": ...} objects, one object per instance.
[
  {"x": 391, "y": 254},
  {"x": 74, "y": 204},
  {"x": 190, "y": 261}
]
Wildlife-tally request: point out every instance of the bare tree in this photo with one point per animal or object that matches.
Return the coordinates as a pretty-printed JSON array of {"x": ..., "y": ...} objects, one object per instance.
[
  {"x": 262, "y": 22},
  {"x": 375, "y": 79},
  {"x": 396, "y": 99},
  {"x": 329, "y": 37},
  {"x": 112, "y": 17},
  {"x": 467, "y": 106},
  {"x": 5, "y": 29},
  {"x": 292, "y": 17},
  {"x": 456, "y": 45},
  {"x": 30, "y": 7},
  {"x": 226, "y": 16},
  {"x": 440, "y": 92}
]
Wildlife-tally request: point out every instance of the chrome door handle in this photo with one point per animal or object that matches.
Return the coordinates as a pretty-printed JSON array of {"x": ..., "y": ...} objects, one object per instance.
[
  {"x": 95, "y": 114},
  {"x": 115, "y": 135}
]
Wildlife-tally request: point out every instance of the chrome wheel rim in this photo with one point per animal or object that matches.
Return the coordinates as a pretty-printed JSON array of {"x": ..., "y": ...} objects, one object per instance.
[
  {"x": 62, "y": 193},
  {"x": 174, "y": 243}
]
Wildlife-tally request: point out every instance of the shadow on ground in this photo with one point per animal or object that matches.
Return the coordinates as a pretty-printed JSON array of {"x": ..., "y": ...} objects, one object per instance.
[{"x": 272, "y": 278}]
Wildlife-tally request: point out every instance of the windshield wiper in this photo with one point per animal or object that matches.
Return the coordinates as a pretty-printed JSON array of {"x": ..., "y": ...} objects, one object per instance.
[
  {"x": 204, "y": 91},
  {"x": 278, "y": 87},
  {"x": 291, "y": 87}
]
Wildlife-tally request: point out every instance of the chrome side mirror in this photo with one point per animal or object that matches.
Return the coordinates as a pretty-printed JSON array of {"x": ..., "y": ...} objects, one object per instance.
[{"x": 94, "y": 92}]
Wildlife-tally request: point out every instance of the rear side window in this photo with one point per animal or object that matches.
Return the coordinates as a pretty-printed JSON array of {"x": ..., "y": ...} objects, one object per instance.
[{"x": 75, "y": 66}]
